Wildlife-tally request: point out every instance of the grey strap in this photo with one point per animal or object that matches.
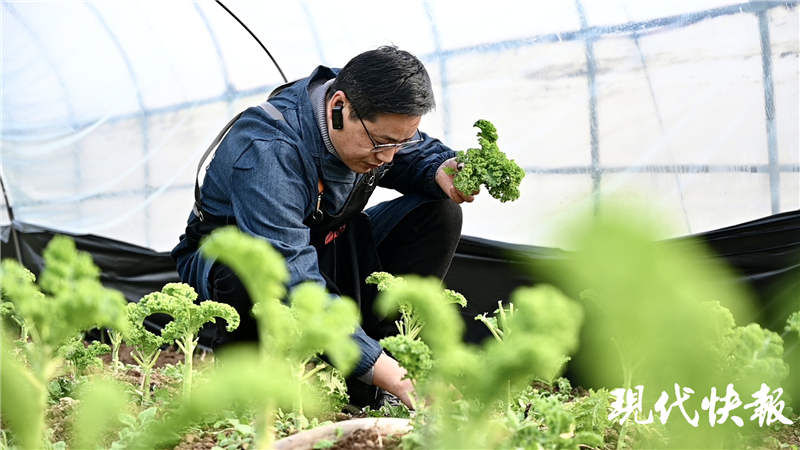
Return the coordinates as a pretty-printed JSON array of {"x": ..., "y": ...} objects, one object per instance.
[{"x": 269, "y": 108}]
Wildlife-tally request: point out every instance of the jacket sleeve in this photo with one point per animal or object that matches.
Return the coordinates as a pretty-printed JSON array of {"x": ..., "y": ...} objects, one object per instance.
[
  {"x": 414, "y": 168},
  {"x": 270, "y": 197}
]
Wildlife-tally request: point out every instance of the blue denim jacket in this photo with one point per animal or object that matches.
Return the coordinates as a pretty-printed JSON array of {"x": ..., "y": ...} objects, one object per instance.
[{"x": 265, "y": 173}]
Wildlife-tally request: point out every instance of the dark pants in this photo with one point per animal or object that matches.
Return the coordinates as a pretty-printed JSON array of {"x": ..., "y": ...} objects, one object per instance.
[{"x": 422, "y": 242}]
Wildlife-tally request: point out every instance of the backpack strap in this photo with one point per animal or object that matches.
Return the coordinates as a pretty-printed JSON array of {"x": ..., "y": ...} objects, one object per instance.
[{"x": 269, "y": 108}]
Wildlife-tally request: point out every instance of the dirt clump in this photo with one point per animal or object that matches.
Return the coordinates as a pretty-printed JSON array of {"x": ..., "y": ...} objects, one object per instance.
[{"x": 368, "y": 438}]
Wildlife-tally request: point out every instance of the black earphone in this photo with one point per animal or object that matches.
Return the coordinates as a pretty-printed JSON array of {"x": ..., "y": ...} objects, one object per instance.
[{"x": 337, "y": 117}]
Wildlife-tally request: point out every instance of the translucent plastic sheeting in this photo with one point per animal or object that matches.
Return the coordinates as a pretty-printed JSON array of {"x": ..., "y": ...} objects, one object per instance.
[{"x": 690, "y": 106}]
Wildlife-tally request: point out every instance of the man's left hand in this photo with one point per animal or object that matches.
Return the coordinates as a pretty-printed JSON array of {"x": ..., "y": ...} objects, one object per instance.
[{"x": 445, "y": 182}]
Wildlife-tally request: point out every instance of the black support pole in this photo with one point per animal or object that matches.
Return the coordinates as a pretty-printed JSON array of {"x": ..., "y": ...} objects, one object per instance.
[{"x": 10, "y": 212}]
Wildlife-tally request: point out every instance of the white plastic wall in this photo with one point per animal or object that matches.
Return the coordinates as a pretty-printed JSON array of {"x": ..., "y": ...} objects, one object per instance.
[{"x": 106, "y": 106}]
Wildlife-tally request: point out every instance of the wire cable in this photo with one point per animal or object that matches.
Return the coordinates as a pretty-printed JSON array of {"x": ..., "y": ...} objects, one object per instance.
[{"x": 285, "y": 80}]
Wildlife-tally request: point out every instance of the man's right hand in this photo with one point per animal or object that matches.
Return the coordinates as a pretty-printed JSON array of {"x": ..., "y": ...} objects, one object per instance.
[{"x": 388, "y": 375}]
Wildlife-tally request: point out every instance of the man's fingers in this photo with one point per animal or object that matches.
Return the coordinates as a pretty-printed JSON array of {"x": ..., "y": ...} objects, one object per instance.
[
  {"x": 458, "y": 197},
  {"x": 454, "y": 195}
]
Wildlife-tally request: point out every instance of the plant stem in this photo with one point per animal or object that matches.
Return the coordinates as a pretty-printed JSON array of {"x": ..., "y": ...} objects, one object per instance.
[
  {"x": 267, "y": 430},
  {"x": 146, "y": 363},
  {"x": 187, "y": 346},
  {"x": 116, "y": 342},
  {"x": 311, "y": 372}
]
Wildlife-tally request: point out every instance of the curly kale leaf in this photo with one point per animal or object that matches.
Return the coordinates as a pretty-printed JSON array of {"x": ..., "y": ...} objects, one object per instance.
[
  {"x": 324, "y": 325},
  {"x": 414, "y": 355},
  {"x": 71, "y": 298},
  {"x": 178, "y": 300},
  {"x": 488, "y": 166},
  {"x": 455, "y": 297},
  {"x": 383, "y": 280}
]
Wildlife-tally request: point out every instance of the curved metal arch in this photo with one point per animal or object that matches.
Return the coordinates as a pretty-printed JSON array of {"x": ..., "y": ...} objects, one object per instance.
[
  {"x": 47, "y": 58},
  {"x": 123, "y": 54},
  {"x": 72, "y": 118},
  {"x": 312, "y": 24},
  {"x": 229, "y": 89},
  {"x": 144, "y": 113},
  {"x": 591, "y": 76},
  {"x": 437, "y": 53}
]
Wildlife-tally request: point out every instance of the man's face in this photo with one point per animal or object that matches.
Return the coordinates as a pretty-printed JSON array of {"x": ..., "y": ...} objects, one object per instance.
[{"x": 353, "y": 144}]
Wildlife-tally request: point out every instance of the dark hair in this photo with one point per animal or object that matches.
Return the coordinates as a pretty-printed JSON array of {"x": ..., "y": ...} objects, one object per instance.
[{"x": 385, "y": 80}]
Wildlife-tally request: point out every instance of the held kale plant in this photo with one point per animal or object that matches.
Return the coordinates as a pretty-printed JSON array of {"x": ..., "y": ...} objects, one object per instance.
[
  {"x": 487, "y": 166},
  {"x": 178, "y": 301},
  {"x": 68, "y": 301}
]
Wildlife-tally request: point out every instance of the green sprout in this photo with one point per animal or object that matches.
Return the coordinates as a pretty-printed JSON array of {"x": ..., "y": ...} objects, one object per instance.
[
  {"x": 498, "y": 323},
  {"x": 487, "y": 166}
]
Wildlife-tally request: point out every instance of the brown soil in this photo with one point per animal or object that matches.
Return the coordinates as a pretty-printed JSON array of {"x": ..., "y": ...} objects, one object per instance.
[
  {"x": 170, "y": 355},
  {"x": 576, "y": 392},
  {"x": 59, "y": 418},
  {"x": 789, "y": 435},
  {"x": 193, "y": 441},
  {"x": 367, "y": 439}
]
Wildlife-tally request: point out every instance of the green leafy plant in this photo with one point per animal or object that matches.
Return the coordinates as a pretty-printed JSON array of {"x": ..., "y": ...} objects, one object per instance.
[
  {"x": 413, "y": 354},
  {"x": 243, "y": 381},
  {"x": 498, "y": 322},
  {"x": 9, "y": 312},
  {"x": 145, "y": 346},
  {"x": 101, "y": 402},
  {"x": 535, "y": 344},
  {"x": 313, "y": 323},
  {"x": 68, "y": 301},
  {"x": 81, "y": 357},
  {"x": 487, "y": 166},
  {"x": 178, "y": 301}
]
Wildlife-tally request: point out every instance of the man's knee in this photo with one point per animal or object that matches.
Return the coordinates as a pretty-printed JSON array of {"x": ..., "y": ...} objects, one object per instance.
[{"x": 443, "y": 216}]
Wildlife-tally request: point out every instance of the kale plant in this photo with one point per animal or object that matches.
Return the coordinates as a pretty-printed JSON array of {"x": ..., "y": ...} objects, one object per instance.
[
  {"x": 413, "y": 354},
  {"x": 314, "y": 322},
  {"x": 145, "y": 346},
  {"x": 535, "y": 344},
  {"x": 487, "y": 166},
  {"x": 81, "y": 357},
  {"x": 68, "y": 301},
  {"x": 178, "y": 301}
]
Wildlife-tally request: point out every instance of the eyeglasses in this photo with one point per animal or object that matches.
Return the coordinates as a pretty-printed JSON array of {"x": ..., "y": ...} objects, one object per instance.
[{"x": 381, "y": 147}]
